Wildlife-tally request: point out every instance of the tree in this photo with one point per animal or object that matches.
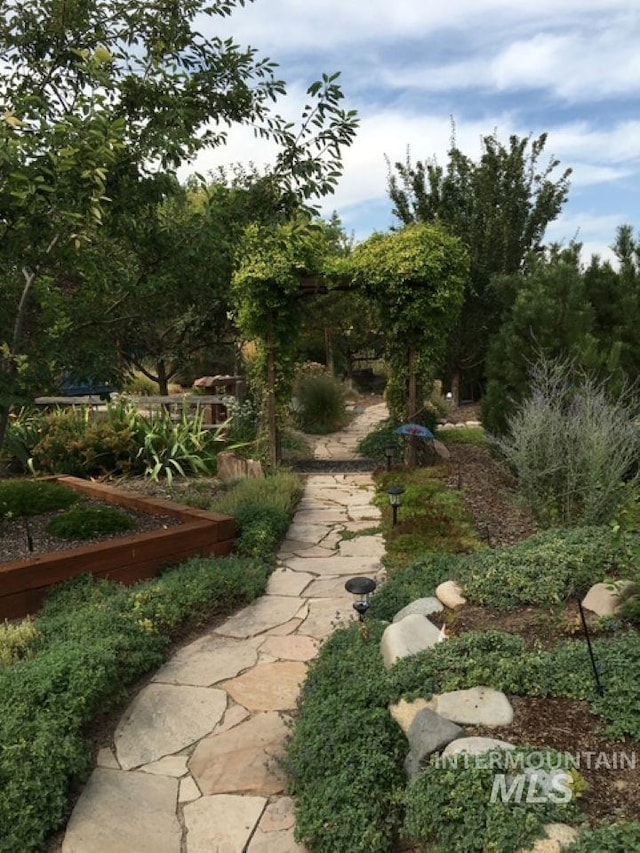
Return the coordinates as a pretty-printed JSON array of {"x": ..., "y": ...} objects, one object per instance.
[
  {"x": 416, "y": 277},
  {"x": 100, "y": 97},
  {"x": 500, "y": 207}
]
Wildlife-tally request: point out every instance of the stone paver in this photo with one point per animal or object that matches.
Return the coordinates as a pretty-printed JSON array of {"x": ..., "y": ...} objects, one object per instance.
[
  {"x": 209, "y": 660},
  {"x": 222, "y": 824},
  {"x": 270, "y": 611},
  {"x": 270, "y": 687},
  {"x": 244, "y": 759},
  {"x": 102, "y": 819},
  {"x": 200, "y": 746},
  {"x": 163, "y": 719},
  {"x": 296, "y": 647}
]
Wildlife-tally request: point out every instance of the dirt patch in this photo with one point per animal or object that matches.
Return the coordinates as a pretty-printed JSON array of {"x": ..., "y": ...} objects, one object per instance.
[{"x": 490, "y": 495}]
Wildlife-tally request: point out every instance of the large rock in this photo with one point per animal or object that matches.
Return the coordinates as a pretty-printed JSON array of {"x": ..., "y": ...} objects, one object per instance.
[
  {"x": 477, "y": 706},
  {"x": 428, "y": 733},
  {"x": 604, "y": 599},
  {"x": 404, "y": 713},
  {"x": 423, "y": 606},
  {"x": 412, "y": 635},
  {"x": 450, "y": 594},
  {"x": 476, "y": 746},
  {"x": 232, "y": 467},
  {"x": 121, "y": 812},
  {"x": 559, "y": 837}
]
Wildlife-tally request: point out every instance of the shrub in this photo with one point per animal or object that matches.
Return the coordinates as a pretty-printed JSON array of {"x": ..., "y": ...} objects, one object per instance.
[
  {"x": 345, "y": 756},
  {"x": 95, "y": 638},
  {"x": 544, "y": 570},
  {"x": 475, "y": 436},
  {"x": 451, "y": 806},
  {"x": 82, "y": 444},
  {"x": 570, "y": 446},
  {"x": 320, "y": 399},
  {"x": 86, "y": 522},
  {"x": 374, "y": 445},
  {"x": 623, "y": 837},
  {"x": 263, "y": 509},
  {"x": 16, "y": 641},
  {"x": 23, "y": 433},
  {"x": 32, "y": 497},
  {"x": 165, "y": 448}
]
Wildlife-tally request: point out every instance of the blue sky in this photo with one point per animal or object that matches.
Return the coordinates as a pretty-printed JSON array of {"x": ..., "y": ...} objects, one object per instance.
[{"x": 570, "y": 68}]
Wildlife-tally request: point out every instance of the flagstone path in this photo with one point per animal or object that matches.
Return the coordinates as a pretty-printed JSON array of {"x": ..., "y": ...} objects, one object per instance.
[{"x": 194, "y": 763}]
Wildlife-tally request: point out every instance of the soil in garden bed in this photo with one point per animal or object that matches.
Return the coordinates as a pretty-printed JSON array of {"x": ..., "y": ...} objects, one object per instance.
[{"x": 14, "y": 543}]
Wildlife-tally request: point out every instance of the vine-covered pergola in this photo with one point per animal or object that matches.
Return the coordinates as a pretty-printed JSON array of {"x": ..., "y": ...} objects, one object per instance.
[{"x": 416, "y": 277}]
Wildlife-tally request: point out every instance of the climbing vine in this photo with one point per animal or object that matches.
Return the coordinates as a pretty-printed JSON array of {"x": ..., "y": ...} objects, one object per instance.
[
  {"x": 417, "y": 277},
  {"x": 267, "y": 295}
]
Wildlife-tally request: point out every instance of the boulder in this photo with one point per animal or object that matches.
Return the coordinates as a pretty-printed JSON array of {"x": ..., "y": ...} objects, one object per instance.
[
  {"x": 477, "y": 706},
  {"x": 604, "y": 599},
  {"x": 476, "y": 746},
  {"x": 233, "y": 467},
  {"x": 428, "y": 733},
  {"x": 413, "y": 634},
  {"x": 423, "y": 606},
  {"x": 450, "y": 594}
]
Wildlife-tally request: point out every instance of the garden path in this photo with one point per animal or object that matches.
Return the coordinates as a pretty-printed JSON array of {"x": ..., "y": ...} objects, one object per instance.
[{"x": 194, "y": 763}]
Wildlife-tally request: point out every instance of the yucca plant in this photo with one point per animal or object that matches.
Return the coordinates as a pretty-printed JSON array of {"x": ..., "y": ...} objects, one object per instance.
[{"x": 167, "y": 448}]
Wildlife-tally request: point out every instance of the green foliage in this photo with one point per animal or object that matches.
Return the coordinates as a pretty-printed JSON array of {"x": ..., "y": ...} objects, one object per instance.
[
  {"x": 571, "y": 445},
  {"x": 475, "y": 436},
  {"x": 499, "y": 660},
  {"x": 320, "y": 402},
  {"x": 411, "y": 274},
  {"x": 623, "y": 837},
  {"x": 77, "y": 442},
  {"x": 82, "y": 443},
  {"x": 263, "y": 509},
  {"x": 31, "y": 497},
  {"x": 16, "y": 641},
  {"x": 87, "y": 522},
  {"x": 544, "y": 570},
  {"x": 499, "y": 206},
  {"x": 417, "y": 580},
  {"x": 23, "y": 432},
  {"x": 344, "y": 759},
  {"x": 432, "y": 517},
  {"x": 95, "y": 639},
  {"x": 374, "y": 445},
  {"x": 140, "y": 385},
  {"x": 451, "y": 807},
  {"x": 166, "y": 448}
]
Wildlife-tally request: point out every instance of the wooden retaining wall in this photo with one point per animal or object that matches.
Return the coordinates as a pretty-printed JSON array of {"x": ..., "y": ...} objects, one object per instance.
[{"x": 25, "y": 583}]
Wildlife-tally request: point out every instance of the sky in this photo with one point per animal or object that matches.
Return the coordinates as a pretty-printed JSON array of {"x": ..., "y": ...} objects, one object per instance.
[{"x": 570, "y": 68}]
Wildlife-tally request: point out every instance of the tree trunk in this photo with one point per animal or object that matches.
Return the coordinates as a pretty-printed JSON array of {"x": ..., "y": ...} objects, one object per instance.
[
  {"x": 163, "y": 380},
  {"x": 272, "y": 425},
  {"x": 328, "y": 345},
  {"x": 412, "y": 449}
]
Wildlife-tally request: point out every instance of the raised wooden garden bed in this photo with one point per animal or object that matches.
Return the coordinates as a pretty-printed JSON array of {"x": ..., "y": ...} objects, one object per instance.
[{"x": 25, "y": 583}]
